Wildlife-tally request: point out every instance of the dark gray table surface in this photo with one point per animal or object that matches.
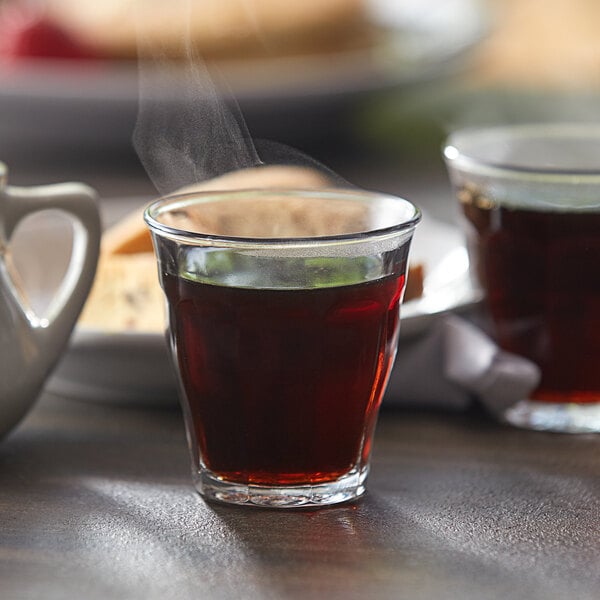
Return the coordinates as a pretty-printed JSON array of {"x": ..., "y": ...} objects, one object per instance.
[{"x": 96, "y": 502}]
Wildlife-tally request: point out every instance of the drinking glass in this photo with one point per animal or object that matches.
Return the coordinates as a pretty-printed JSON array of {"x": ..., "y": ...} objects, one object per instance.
[
  {"x": 283, "y": 324},
  {"x": 530, "y": 198}
]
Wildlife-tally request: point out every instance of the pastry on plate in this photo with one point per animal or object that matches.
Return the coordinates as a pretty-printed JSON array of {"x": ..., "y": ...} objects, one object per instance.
[
  {"x": 216, "y": 28},
  {"x": 126, "y": 295}
]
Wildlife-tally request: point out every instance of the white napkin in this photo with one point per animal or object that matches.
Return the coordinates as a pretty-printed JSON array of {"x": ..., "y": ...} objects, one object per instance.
[{"x": 454, "y": 364}]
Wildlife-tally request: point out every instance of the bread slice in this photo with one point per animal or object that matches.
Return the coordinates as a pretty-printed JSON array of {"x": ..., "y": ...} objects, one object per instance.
[
  {"x": 131, "y": 235},
  {"x": 126, "y": 295}
]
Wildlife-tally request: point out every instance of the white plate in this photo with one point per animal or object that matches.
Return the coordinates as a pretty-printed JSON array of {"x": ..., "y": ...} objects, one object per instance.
[
  {"x": 134, "y": 368},
  {"x": 447, "y": 286},
  {"x": 77, "y": 101}
]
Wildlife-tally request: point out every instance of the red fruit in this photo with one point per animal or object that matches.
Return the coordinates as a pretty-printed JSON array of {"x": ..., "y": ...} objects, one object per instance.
[{"x": 26, "y": 33}]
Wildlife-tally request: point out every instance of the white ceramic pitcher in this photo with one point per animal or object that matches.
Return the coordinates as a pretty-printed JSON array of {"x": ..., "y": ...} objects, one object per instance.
[{"x": 31, "y": 344}]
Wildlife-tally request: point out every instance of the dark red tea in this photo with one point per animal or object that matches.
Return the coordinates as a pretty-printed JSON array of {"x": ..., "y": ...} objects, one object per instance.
[
  {"x": 541, "y": 273},
  {"x": 283, "y": 386}
]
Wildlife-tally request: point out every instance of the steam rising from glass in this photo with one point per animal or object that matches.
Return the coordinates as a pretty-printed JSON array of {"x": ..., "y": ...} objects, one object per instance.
[{"x": 190, "y": 127}]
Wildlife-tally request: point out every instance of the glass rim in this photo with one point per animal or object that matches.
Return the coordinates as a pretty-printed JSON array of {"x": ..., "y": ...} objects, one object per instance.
[
  {"x": 456, "y": 157},
  {"x": 182, "y": 235}
]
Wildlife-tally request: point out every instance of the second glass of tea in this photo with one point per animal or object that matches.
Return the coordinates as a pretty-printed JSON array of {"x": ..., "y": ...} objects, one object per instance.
[
  {"x": 530, "y": 198},
  {"x": 283, "y": 324}
]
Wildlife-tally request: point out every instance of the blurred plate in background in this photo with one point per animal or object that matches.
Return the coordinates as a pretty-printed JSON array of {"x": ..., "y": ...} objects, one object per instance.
[{"x": 95, "y": 101}]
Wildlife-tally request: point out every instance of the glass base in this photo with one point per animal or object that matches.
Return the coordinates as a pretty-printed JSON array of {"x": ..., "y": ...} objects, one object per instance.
[
  {"x": 563, "y": 418},
  {"x": 346, "y": 488}
]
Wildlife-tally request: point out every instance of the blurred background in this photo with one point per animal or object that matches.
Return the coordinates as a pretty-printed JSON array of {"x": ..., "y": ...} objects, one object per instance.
[{"x": 368, "y": 87}]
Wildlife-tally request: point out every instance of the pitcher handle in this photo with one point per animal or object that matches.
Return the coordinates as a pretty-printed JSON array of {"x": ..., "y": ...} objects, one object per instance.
[{"x": 79, "y": 202}]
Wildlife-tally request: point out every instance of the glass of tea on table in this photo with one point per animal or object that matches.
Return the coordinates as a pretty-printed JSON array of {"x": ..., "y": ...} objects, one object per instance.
[
  {"x": 530, "y": 200},
  {"x": 283, "y": 324}
]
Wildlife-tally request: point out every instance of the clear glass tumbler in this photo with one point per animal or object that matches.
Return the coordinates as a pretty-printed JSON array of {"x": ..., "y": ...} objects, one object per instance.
[
  {"x": 530, "y": 198},
  {"x": 283, "y": 325}
]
